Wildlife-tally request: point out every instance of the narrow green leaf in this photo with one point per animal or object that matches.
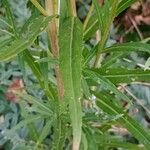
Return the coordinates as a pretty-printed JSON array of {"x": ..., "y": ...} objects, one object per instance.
[
  {"x": 5, "y": 42},
  {"x": 109, "y": 107},
  {"x": 36, "y": 102},
  {"x": 111, "y": 59},
  {"x": 17, "y": 46},
  {"x": 93, "y": 23},
  {"x": 44, "y": 68},
  {"x": 92, "y": 75},
  {"x": 70, "y": 41},
  {"x": 35, "y": 67},
  {"x": 100, "y": 13},
  {"x": 128, "y": 47},
  {"x": 123, "y": 75},
  {"x": 91, "y": 27},
  {"x": 123, "y": 5},
  {"x": 86, "y": 90},
  {"x": 10, "y": 17},
  {"x": 102, "y": 20},
  {"x": 110, "y": 141}
]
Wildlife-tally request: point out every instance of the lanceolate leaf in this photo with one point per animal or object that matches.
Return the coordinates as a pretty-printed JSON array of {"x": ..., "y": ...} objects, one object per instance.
[
  {"x": 70, "y": 41},
  {"x": 123, "y": 5},
  {"x": 17, "y": 46},
  {"x": 93, "y": 23},
  {"x": 128, "y": 47},
  {"x": 96, "y": 77},
  {"x": 111, "y": 141},
  {"x": 123, "y": 75},
  {"x": 141, "y": 134},
  {"x": 35, "y": 67}
]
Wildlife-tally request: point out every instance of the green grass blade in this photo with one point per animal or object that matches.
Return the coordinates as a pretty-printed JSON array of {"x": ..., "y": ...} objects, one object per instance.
[{"x": 70, "y": 41}]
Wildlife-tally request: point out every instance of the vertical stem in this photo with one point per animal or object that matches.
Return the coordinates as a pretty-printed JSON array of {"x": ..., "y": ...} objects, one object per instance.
[
  {"x": 106, "y": 33},
  {"x": 88, "y": 16},
  {"x": 51, "y": 7},
  {"x": 73, "y": 8}
]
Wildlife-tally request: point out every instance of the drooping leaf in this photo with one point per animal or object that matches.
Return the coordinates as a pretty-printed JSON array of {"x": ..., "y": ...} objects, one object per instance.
[{"x": 70, "y": 41}]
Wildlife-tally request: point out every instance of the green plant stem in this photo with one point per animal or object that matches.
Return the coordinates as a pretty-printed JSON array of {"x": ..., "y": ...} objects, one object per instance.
[
  {"x": 72, "y": 7},
  {"x": 39, "y": 7},
  {"x": 106, "y": 33},
  {"x": 88, "y": 16}
]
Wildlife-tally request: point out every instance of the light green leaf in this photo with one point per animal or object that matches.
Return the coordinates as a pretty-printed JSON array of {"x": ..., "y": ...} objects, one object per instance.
[{"x": 70, "y": 41}]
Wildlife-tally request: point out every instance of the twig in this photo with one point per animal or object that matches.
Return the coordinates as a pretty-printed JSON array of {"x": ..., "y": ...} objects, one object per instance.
[
  {"x": 136, "y": 99},
  {"x": 141, "y": 83},
  {"x": 136, "y": 28},
  {"x": 138, "y": 64}
]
